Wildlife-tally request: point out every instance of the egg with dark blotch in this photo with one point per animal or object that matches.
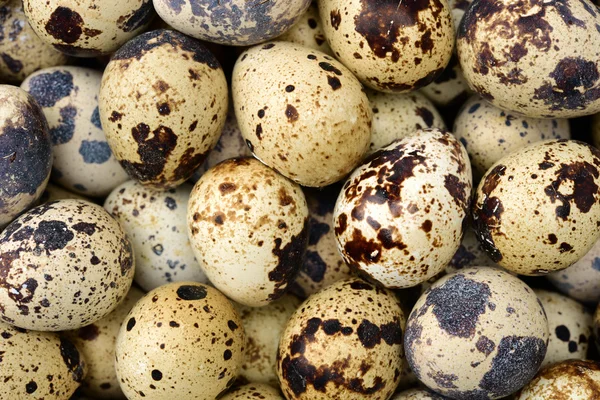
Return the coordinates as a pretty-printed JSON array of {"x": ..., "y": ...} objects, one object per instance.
[
  {"x": 418, "y": 394},
  {"x": 38, "y": 365},
  {"x": 390, "y": 46},
  {"x": 233, "y": 23},
  {"x": 83, "y": 161},
  {"x": 87, "y": 28},
  {"x": 478, "y": 333},
  {"x": 489, "y": 133},
  {"x": 537, "y": 210},
  {"x": 159, "y": 125},
  {"x": 301, "y": 112},
  {"x": 25, "y": 152},
  {"x": 308, "y": 31},
  {"x": 573, "y": 380},
  {"x": 344, "y": 342},
  {"x": 21, "y": 51},
  {"x": 243, "y": 210},
  {"x": 253, "y": 391},
  {"x": 401, "y": 215},
  {"x": 539, "y": 59},
  {"x": 182, "y": 340},
  {"x": 450, "y": 88},
  {"x": 65, "y": 265}
]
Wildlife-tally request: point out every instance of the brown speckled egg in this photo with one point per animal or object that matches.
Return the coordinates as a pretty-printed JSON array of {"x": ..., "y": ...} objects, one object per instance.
[
  {"x": 570, "y": 327},
  {"x": 450, "y": 88},
  {"x": 97, "y": 345},
  {"x": 396, "y": 116},
  {"x": 489, "y": 133},
  {"x": 88, "y": 28},
  {"x": 399, "y": 219},
  {"x": 418, "y": 394},
  {"x": 53, "y": 193},
  {"x": 569, "y": 380},
  {"x": 253, "y": 391},
  {"x": 235, "y": 22},
  {"x": 308, "y": 31},
  {"x": 478, "y": 333},
  {"x": 38, "y": 365},
  {"x": 83, "y": 162},
  {"x": 155, "y": 222},
  {"x": 596, "y": 130},
  {"x": 263, "y": 327},
  {"x": 537, "y": 210},
  {"x": 65, "y": 265},
  {"x": 21, "y": 51},
  {"x": 163, "y": 104},
  {"x": 25, "y": 152},
  {"x": 248, "y": 227},
  {"x": 182, "y": 340},
  {"x": 344, "y": 342},
  {"x": 301, "y": 112},
  {"x": 536, "y": 58},
  {"x": 390, "y": 46}
]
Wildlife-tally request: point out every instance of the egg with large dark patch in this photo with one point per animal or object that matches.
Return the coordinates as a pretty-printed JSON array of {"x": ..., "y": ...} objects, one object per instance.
[
  {"x": 478, "y": 333},
  {"x": 65, "y": 265},
  {"x": 572, "y": 380},
  {"x": 308, "y": 31},
  {"x": 161, "y": 125}
]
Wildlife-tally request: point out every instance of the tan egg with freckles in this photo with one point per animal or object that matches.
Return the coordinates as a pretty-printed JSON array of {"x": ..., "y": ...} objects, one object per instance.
[
  {"x": 569, "y": 380},
  {"x": 253, "y": 391},
  {"x": 308, "y": 31}
]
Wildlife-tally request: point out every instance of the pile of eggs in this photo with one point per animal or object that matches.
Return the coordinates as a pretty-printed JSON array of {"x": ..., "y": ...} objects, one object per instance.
[{"x": 286, "y": 199}]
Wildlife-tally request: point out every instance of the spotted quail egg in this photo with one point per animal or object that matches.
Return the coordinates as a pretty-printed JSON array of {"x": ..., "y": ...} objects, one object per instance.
[
  {"x": 477, "y": 333},
  {"x": 83, "y": 162},
  {"x": 155, "y": 222},
  {"x": 38, "y": 365},
  {"x": 25, "y": 152},
  {"x": 308, "y": 31},
  {"x": 253, "y": 391},
  {"x": 65, "y": 265},
  {"x": 88, "y": 28},
  {"x": 399, "y": 219},
  {"x": 537, "y": 210},
  {"x": 248, "y": 227},
  {"x": 418, "y": 394},
  {"x": 53, "y": 193},
  {"x": 569, "y": 380},
  {"x": 450, "y": 88},
  {"x": 182, "y": 340},
  {"x": 344, "y": 342}
]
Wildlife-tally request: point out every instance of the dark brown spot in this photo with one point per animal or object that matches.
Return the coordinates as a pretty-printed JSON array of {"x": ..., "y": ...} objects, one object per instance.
[
  {"x": 290, "y": 258},
  {"x": 227, "y": 187},
  {"x": 336, "y": 19},
  {"x": 426, "y": 115},
  {"x": 115, "y": 116},
  {"x": 334, "y": 82},
  {"x": 291, "y": 113},
  {"x": 163, "y": 109},
  {"x": 583, "y": 176},
  {"x": 89, "y": 332},
  {"x": 65, "y": 25}
]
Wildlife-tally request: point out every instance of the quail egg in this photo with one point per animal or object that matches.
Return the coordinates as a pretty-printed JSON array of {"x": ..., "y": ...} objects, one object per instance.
[
  {"x": 308, "y": 31},
  {"x": 569, "y": 380}
]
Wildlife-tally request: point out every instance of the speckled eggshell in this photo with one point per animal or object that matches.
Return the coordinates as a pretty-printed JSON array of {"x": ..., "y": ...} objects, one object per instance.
[
  {"x": 88, "y": 28},
  {"x": 163, "y": 104},
  {"x": 97, "y": 345},
  {"x": 537, "y": 210},
  {"x": 66, "y": 264},
  {"x": 21, "y": 51},
  {"x": 344, "y": 342},
  {"x": 301, "y": 112},
  {"x": 263, "y": 327},
  {"x": 396, "y": 116},
  {"x": 478, "y": 333},
  {"x": 569, "y": 380},
  {"x": 570, "y": 327},
  {"x": 83, "y": 162},
  {"x": 155, "y": 222},
  {"x": 182, "y": 340},
  {"x": 390, "y": 46},
  {"x": 233, "y": 23},
  {"x": 596, "y": 131},
  {"x": 418, "y": 394},
  {"x": 25, "y": 152},
  {"x": 253, "y": 391},
  {"x": 581, "y": 281},
  {"x": 248, "y": 227},
  {"x": 544, "y": 65},
  {"x": 450, "y": 87},
  {"x": 38, "y": 365},
  {"x": 399, "y": 218},
  {"x": 489, "y": 133},
  {"x": 308, "y": 31},
  {"x": 53, "y": 193}
]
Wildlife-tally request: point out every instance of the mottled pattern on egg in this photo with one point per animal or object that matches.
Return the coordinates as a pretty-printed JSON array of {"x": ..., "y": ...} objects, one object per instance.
[
  {"x": 573, "y": 380},
  {"x": 253, "y": 391},
  {"x": 308, "y": 31}
]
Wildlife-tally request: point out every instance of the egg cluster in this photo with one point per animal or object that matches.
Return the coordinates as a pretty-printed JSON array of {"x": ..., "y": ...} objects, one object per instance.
[{"x": 301, "y": 200}]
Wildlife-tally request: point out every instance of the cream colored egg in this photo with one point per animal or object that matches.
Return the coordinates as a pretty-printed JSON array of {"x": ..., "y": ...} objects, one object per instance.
[
  {"x": 537, "y": 210},
  {"x": 544, "y": 65},
  {"x": 65, "y": 265},
  {"x": 390, "y": 46},
  {"x": 569, "y": 380},
  {"x": 399, "y": 218},
  {"x": 308, "y": 31},
  {"x": 418, "y": 394},
  {"x": 88, "y": 28},
  {"x": 38, "y": 365},
  {"x": 450, "y": 88},
  {"x": 344, "y": 342},
  {"x": 53, "y": 193},
  {"x": 301, "y": 112},
  {"x": 155, "y": 222},
  {"x": 83, "y": 161},
  {"x": 477, "y": 333},
  {"x": 182, "y": 340},
  {"x": 253, "y": 391},
  {"x": 163, "y": 104},
  {"x": 248, "y": 227},
  {"x": 97, "y": 345}
]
